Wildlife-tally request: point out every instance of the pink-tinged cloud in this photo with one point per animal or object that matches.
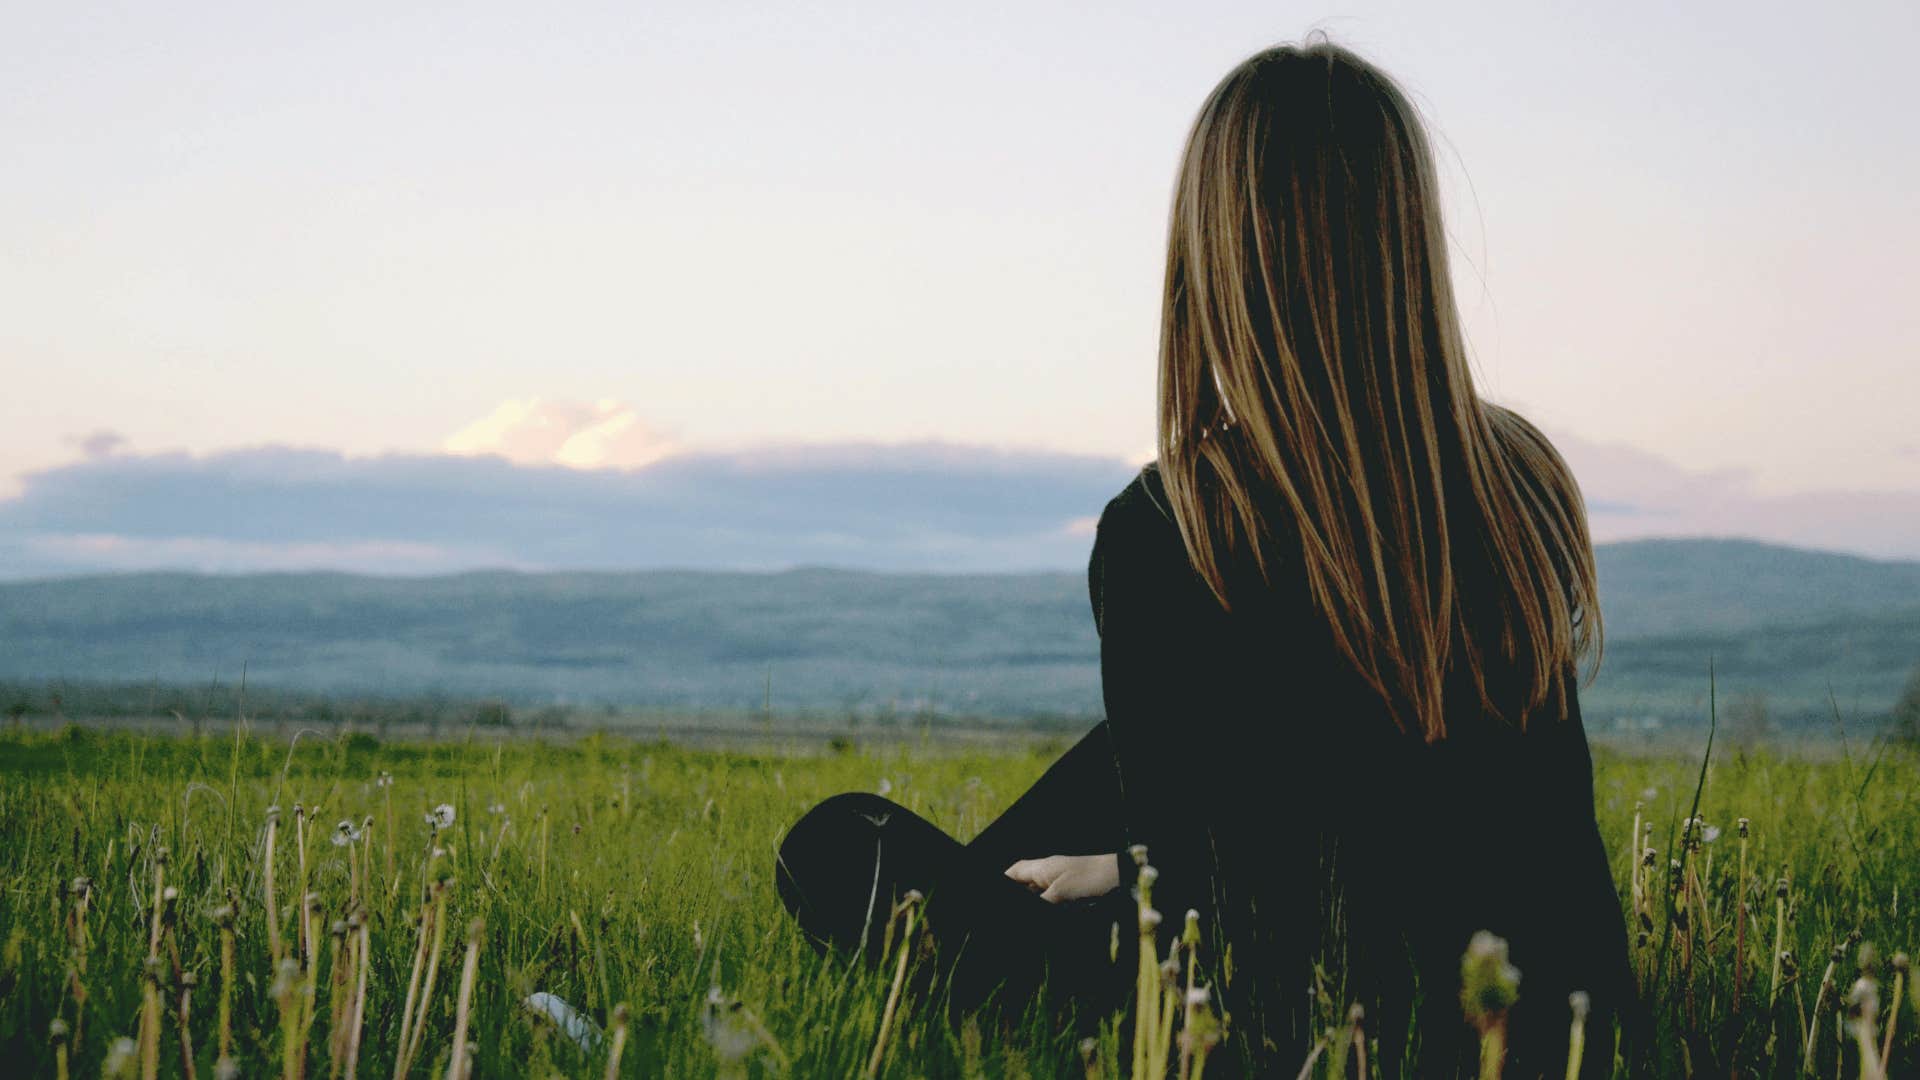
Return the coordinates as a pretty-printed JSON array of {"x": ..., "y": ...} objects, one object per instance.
[
  {"x": 1632, "y": 495},
  {"x": 606, "y": 434}
]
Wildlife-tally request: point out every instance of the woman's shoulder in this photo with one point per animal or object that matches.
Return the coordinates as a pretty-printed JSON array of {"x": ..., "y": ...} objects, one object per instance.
[{"x": 1141, "y": 510}]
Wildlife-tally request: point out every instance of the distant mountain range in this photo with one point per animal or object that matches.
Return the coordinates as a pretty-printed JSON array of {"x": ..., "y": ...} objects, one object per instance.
[{"x": 1786, "y": 629}]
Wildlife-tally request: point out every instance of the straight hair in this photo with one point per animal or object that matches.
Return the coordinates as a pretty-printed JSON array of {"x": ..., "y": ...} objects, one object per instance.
[{"x": 1315, "y": 399}]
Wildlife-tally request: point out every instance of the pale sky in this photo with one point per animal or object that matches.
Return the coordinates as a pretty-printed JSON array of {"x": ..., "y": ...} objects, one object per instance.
[{"x": 1687, "y": 229}]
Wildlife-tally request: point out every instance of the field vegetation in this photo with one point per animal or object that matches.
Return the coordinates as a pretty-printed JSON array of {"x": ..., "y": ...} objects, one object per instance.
[{"x": 335, "y": 905}]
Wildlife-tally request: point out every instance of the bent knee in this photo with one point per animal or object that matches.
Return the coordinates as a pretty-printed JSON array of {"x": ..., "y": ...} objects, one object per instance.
[{"x": 827, "y": 865}]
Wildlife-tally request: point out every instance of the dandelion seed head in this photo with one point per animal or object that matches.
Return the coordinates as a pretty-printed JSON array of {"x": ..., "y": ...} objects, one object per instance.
[
  {"x": 1580, "y": 1003},
  {"x": 1199, "y": 996},
  {"x": 226, "y": 1069},
  {"x": 169, "y": 894},
  {"x": 1489, "y": 983},
  {"x": 385, "y": 780},
  {"x": 496, "y": 808},
  {"x": 57, "y": 1030},
  {"x": 120, "y": 1057},
  {"x": 442, "y": 816},
  {"x": 1710, "y": 833},
  {"x": 1863, "y": 1001}
]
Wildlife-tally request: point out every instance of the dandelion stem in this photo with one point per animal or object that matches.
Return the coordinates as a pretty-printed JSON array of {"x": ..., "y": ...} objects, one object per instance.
[
  {"x": 1893, "y": 1007},
  {"x": 305, "y": 941},
  {"x": 361, "y": 964},
  {"x": 413, "y": 990},
  {"x": 1579, "y": 1003},
  {"x": 619, "y": 1040},
  {"x": 433, "y": 970},
  {"x": 186, "y": 1027},
  {"x": 1779, "y": 938},
  {"x": 273, "y": 911},
  {"x": 457, "y": 1068},
  {"x": 1740, "y": 923},
  {"x": 224, "y": 917},
  {"x": 1819, "y": 1002}
]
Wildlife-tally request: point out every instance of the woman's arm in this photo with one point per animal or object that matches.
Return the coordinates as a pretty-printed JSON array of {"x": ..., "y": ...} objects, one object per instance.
[
  {"x": 1073, "y": 809},
  {"x": 1163, "y": 646}
]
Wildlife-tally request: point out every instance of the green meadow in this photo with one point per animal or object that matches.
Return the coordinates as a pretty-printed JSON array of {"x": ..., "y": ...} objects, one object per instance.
[{"x": 158, "y": 917}]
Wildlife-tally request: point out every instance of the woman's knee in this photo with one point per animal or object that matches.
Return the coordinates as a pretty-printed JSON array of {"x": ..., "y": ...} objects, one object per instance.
[
  {"x": 828, "y": 869},
  {"x": 848, "y": 819}
]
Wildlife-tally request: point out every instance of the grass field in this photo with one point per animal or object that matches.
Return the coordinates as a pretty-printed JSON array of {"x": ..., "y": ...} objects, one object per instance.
[{"x": 633, "y": 879}]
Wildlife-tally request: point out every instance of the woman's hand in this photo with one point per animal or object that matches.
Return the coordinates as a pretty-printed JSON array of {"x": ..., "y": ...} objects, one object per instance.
[{"x": 1067, "y": 877}]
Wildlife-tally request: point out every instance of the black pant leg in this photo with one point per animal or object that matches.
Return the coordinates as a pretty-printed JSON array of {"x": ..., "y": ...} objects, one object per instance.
[{"x": 848, "y": 861}]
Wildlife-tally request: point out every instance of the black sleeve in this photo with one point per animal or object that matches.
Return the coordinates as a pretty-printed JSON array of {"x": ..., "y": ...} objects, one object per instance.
[
  {"x": 1162, "y": 638},
  {"x": 1572, "y": 875},
  {"x": 1073, "y": 809}
]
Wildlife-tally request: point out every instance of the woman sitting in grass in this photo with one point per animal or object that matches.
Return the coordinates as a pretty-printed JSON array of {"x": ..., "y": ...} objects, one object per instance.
[{"x": 1340, "y": 622}]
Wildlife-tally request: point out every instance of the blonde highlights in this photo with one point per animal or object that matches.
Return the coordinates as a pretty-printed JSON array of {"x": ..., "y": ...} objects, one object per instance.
[{"x": 1316, "y": 404}]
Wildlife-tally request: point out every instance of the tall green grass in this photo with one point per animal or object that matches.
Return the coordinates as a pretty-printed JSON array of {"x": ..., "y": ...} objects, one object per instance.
[{"x": 634, "y": 880}]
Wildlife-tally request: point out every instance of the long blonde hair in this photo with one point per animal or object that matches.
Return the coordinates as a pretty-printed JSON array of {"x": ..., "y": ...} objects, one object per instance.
[{"x": 1315, "y": 399}]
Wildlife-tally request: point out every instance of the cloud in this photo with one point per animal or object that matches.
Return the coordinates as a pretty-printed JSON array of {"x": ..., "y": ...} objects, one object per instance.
[
  {"x": 1632, "y": 494},
  {"x": 99, "y": 444},
  {"x": 923, "y": 507},
  {"x": 919, "y": 507},
  {"x": 538, "y": 431}
]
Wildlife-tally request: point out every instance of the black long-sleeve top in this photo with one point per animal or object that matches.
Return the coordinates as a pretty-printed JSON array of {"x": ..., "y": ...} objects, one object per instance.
[{"x": 1275, "y": 797}]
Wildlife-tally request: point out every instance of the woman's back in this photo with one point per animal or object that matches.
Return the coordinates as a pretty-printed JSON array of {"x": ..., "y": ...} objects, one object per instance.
[{"x": 1278, "y": 797}]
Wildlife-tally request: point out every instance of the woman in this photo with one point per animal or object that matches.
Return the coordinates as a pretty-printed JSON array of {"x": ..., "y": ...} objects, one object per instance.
[{"x": 1340, "y": 619}]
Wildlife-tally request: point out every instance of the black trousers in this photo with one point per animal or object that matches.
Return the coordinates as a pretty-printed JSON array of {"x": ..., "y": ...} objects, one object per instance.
[{"x": 845, "y": 864}]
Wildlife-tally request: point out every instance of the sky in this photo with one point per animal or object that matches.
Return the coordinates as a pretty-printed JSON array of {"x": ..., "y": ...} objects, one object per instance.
[{"x": 245, "y": 246}]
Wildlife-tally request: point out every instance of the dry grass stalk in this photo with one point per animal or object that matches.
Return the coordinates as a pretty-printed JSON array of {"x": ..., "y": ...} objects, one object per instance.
[{"x": 910, "y": 908}]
